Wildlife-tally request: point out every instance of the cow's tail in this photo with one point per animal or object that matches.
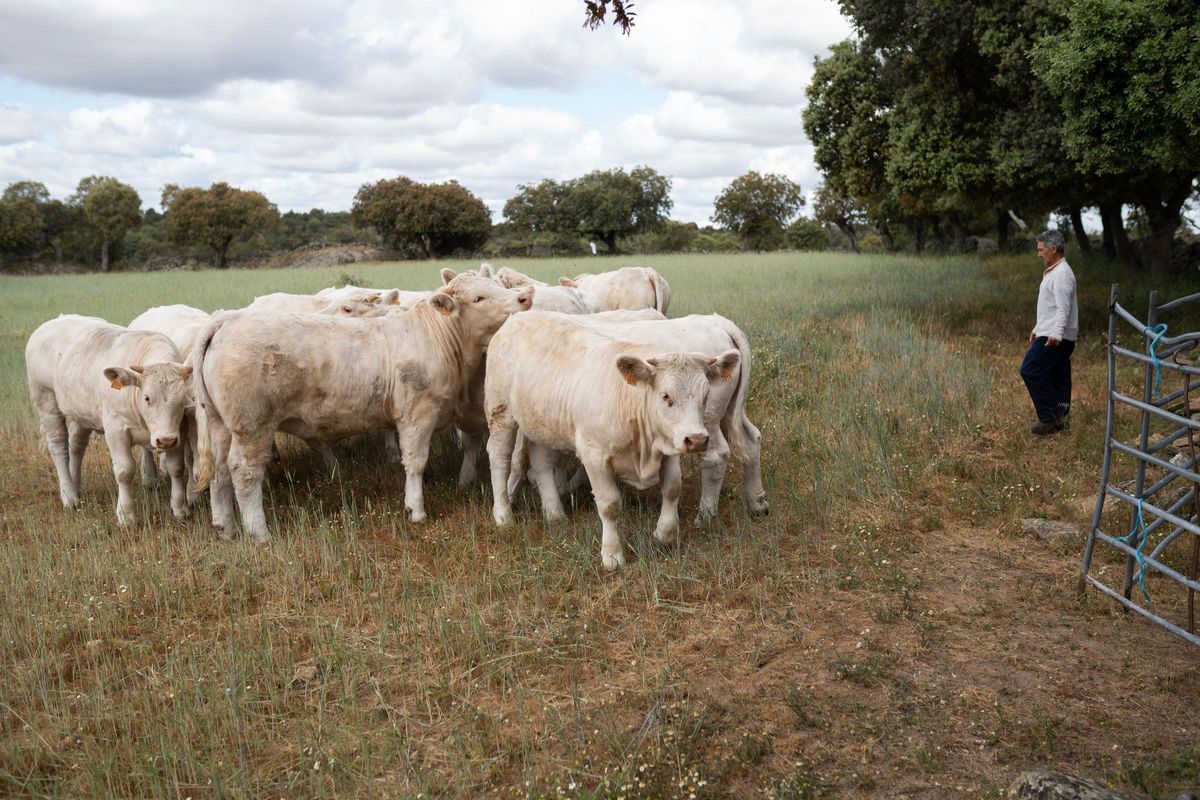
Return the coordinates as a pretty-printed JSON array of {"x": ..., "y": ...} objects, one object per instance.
[
  {"x": 662, "y": 292},
  {"x": 204, "y": 467},
  {"x": 741, "y": 434}
]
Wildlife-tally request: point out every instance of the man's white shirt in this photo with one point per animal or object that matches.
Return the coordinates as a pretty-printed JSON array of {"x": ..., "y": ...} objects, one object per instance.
[{"x": 1057, "y": 305}]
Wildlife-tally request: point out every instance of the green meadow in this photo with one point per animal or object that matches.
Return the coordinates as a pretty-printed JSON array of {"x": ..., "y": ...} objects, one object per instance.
[{"x": 887, "y": 629}]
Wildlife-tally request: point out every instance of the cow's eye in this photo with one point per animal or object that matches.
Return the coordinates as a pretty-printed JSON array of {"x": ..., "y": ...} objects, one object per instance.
[
  {"x": 479, "y": 299},
  {"x": 666, "y": 398},
  {"x": 146, "y": 398}
]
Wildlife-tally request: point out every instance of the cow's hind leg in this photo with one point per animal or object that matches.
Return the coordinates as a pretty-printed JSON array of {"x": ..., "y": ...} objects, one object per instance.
[
  {"x": 220, "y": 488},
  {"x": 78, "y": 438},
  {"x": 248, "y": 457},
  {"x": 414, "y": 452},
  {"x": 502, "y": 437},
  {"x": 54, "y": 425},
  {"x": 751, "y": 455},
  {"x": 543, "y": 464}
]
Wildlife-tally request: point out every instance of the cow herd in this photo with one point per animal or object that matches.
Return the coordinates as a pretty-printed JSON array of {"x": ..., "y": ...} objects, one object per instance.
[{"x": 590, "y": 368}]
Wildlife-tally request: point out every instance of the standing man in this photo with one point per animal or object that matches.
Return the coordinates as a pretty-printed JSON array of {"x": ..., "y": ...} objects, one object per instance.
[{"x": 1047, "y": 366}]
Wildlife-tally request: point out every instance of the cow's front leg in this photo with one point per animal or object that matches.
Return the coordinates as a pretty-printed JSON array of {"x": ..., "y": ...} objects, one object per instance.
[
  {"x": 148, "y": 468},
  {"x": 671, "y": 482},
  {"x": 469, "y": 472},
  {"x": 713, "y": 463},
  {"x": 414, "y": 452},
  {"x": 502, "y": 437},
  {"x": 124, "y": 468},
  {"x": 78, "y": 438},
  {"x": 608, "y": 504},
  {"x": 173, "y": 465},
  {"x": 247, "y": 467}
]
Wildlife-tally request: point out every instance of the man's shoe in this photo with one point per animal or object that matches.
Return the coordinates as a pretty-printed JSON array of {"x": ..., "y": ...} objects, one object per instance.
[{"x": 1046, "y": 428}]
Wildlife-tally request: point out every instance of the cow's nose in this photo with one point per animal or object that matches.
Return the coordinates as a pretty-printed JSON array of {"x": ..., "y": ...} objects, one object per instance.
[
  {"x": 695, "y": 444},
  {"x": 166, "y": 442}
]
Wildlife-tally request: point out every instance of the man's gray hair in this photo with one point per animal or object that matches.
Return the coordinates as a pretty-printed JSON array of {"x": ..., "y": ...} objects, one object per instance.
[{"x": 1054, "y": 239}]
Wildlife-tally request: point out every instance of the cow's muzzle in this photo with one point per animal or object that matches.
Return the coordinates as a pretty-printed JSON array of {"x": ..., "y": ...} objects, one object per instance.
[
  {"x": 697, "y": 443},
  {"x": 165, "y": 442}
]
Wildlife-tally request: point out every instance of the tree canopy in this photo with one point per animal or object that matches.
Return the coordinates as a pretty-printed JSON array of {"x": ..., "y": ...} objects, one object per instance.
[
  {"x": 110, "y": 209},
  {"x": 437, "y": 218},
  {"x": 758, "y": 208},
  {"x": 215, "y": 217}
]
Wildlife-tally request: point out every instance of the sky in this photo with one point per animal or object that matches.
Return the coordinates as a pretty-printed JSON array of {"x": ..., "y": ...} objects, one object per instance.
[{"x": 306, "y": 100}]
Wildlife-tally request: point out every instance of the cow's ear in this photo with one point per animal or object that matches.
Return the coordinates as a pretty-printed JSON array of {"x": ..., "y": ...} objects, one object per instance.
[
  {"x": 443, "y": 302},
  {"x": 723, "y": 366},
  {"x": 570, "y": 282},
  {"x": 185, "y": 370},
  {"x": 634, "y": 370},
  {"x": 389, "y": 298},
  {"x": 372, "y": 299},
  {"x": 122, "y": 377},
  {"x": 447, "y": 275},
  {"x": 485, "y": 270}
]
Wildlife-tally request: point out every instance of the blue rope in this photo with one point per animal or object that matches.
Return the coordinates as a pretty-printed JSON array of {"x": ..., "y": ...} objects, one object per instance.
[
  {"x": 1157, "y": 332},
  {"x": 1139, "y": 524}
]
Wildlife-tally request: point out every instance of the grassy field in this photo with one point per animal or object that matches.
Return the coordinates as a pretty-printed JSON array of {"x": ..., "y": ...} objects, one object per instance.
[{"x": 887, "y": 631}]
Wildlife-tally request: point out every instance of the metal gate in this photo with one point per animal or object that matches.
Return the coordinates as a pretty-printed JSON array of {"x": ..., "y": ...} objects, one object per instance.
[{"x": 1162, "y": 545}]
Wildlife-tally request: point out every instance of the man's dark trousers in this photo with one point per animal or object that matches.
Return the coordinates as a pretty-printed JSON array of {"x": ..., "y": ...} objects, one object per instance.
[{"x": 1047, "y": 374}]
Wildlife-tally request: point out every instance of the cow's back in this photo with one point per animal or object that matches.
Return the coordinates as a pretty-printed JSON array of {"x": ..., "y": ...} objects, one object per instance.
[{"x": 179, "y": 323}]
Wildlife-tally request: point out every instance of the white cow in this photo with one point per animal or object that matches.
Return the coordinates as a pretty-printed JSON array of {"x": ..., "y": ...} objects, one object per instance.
[
  {"x": 87, "y": 375},
  {"x": 729, "y": 429},
  {"x": 365, "y": 304},
  {"x": 180, "y": 324},
  {"x": 564, "y": 299},
  {"x": 326, "y": 378},
  {"x": 626, "y": 288},
  {"x": 395, "y": 298},
  {"x": 628, "y": 412}
]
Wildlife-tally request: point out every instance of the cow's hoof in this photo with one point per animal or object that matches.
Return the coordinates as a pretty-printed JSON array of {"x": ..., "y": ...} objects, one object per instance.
[
  {"x": 613, "y": 561},
  {"x": 71, "y": 502},
  {"x": 503, "y": 516},
  {"x": 667, "y": 534},
  {"x": 414, "y": 516},
  {"x": 125, "y": 518},
  {"x": 224, "y": 533}
]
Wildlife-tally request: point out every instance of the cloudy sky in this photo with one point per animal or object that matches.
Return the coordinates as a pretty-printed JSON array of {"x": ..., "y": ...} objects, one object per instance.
[{"x": 305, "y": 100}]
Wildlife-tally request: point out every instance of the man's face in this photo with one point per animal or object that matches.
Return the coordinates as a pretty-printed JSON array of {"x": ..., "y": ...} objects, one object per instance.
[{"x": 1048, "y": 255}]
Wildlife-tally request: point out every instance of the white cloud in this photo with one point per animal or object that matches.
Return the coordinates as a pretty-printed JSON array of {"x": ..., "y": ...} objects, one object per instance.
[
  {"x": 19, "y": 123},
  {"x": 306, "y": 100}
]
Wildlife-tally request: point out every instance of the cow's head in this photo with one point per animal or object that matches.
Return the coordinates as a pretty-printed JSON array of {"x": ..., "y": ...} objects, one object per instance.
[
  {"x": 480, "y": 304},
  {"x": 162, "y": 393},
  {"x": 369, "y": 305},
  {"x": 676, "y": 387},
  {"x": 507, "y": 276}
]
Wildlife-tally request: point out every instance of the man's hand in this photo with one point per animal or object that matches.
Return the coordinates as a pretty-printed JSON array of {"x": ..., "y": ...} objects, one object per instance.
[
  {"x": 1051, "y": 341},
  {"x": 1031, "y": 337}
]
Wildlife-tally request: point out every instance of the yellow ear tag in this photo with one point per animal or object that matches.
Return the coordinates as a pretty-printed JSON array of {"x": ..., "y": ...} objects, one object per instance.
[
  {"x": 628, "y": 376},
  {"x": 726, "y": 374},
  {"x": 116, "y": 384},
  {"x": 445, "y": 311}
]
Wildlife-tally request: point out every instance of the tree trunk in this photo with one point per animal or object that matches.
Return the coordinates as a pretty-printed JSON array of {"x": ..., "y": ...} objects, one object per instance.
[
  {"x": 1108, "y": 244},
  {"x": 57, "y": 251},
  {"x": 1115, "y": 223},
  {"x": 222, "y": 250},
  {"x": 1163, "y": 206},
  {"x": 959, "y": 244},
  {"x": 1002, "y": 224},
  {"x": 885, "y": 236},
  {"x": 1081, "y": 238},
  {"x": 104, "y": 254},
  {"x": 918, "y": 233},
  {"x": 610, "y": 241},
  {"x": 848, "y": 231},
  {"x": 427, "y": 245}
]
